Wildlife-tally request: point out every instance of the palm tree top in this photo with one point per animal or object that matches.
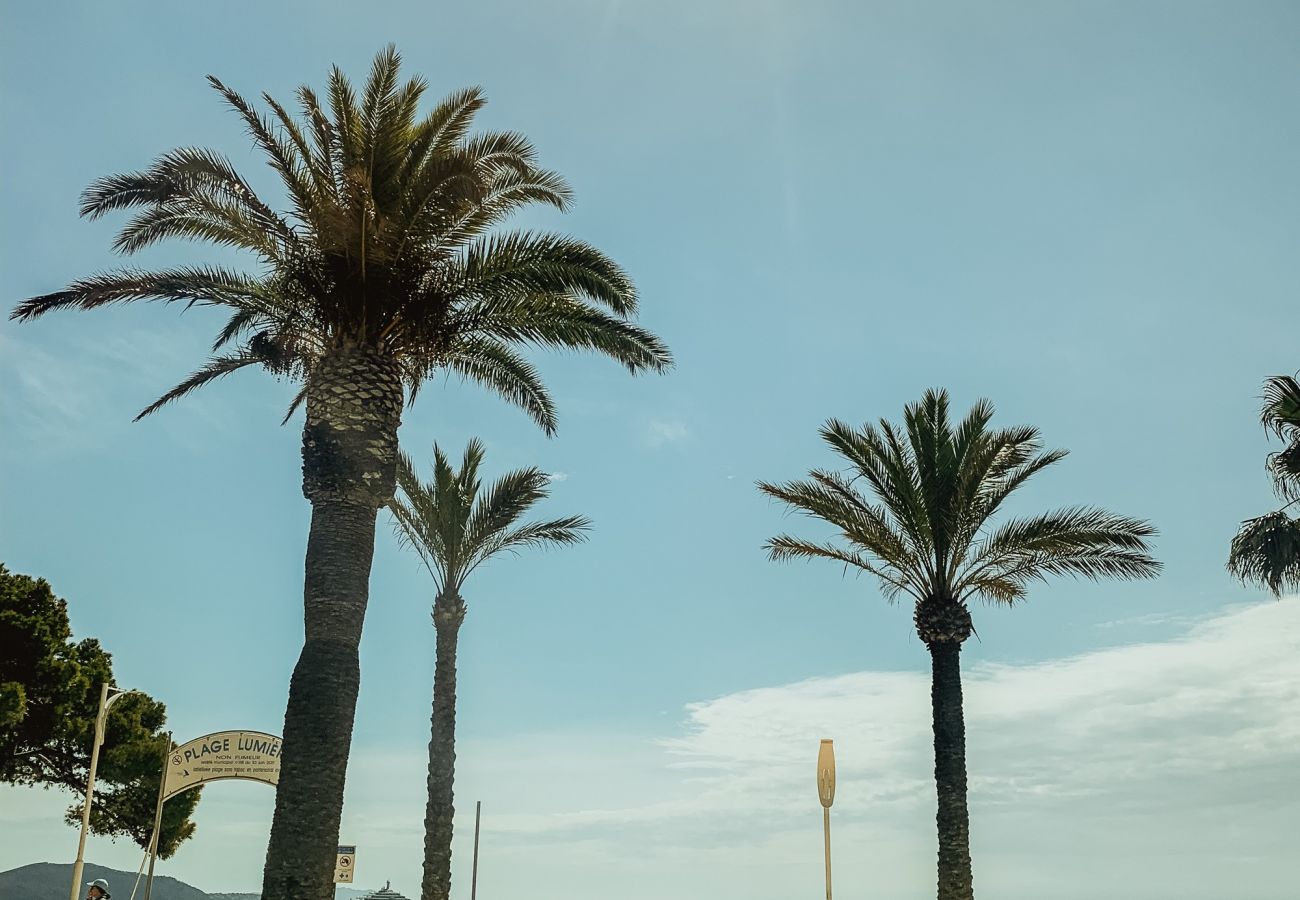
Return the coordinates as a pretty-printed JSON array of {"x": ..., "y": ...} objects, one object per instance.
[
  {"x": 1266, "y": 549},
  {"x": 455, "y": 524},
  {"x": 924, "y": 523},
  {"x": 387, "y": 245},
  {"x": 1280, "y": 416}
]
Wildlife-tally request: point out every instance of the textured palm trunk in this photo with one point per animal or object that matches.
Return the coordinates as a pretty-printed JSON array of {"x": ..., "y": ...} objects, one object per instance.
[
  {"x": 448, "y": 614},
  {"x": 354, "y": 404},
  {"x": 952, "y": 818}
]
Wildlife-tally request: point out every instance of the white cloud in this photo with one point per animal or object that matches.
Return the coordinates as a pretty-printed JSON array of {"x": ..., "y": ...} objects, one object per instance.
[{"x": 557, "y": 476}]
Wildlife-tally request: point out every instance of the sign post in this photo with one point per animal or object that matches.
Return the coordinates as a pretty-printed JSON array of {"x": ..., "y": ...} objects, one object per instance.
[
  {"x": 826, "y": 792},
  {"x": 344, "y": 863},
  {"x": 157, "y": 820}
]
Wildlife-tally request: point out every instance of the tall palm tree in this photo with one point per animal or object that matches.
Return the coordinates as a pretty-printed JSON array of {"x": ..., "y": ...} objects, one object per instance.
[
  {"x": 1266, "y": 550},
  {"x": 455, "y": 527},
  {"x": 923, "y": 527},
  {"x": 384, "y": 271}
]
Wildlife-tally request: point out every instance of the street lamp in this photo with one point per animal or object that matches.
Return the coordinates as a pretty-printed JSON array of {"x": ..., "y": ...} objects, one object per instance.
[
  {"x": 826, "y": 792},
  {"x": 106, "y": 697}
]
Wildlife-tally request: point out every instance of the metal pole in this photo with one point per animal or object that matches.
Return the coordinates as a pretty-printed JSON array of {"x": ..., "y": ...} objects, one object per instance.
[
  {"x": 139, "y": 873},
  {"x": 826, "y": 826},
  {"x": 473, "y": 882},
  {"x": 90, "y": 791},
  {"x": 157, "y": 818}
]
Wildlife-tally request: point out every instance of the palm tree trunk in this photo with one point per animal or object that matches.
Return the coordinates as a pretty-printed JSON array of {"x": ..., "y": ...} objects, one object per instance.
[
  {"x": 448, "y": 614},
  {"x": 354, "y": 402},
  {"x": 950, "y": 772}
]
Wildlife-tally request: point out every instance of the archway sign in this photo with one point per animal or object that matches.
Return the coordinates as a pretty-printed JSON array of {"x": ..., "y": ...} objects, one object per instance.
[
  {"x": 246, "y": 755},
  {"x": 250, "y": 755}
]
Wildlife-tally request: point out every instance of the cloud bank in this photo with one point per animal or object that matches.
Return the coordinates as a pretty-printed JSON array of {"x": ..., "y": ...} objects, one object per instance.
[{"x": 1152, "y": 770}]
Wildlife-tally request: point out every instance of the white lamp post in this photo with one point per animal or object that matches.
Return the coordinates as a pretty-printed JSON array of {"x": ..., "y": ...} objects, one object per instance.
[
  {"x": 106, "y": 697},
  {"x": 826, "y": 792}
]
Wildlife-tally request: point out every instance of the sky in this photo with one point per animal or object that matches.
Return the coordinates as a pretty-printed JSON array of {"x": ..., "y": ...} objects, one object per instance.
[{"x": 1085, "y": 212}]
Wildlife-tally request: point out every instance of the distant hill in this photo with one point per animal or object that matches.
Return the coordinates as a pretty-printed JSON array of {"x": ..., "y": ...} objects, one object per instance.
[{"x": 50, "y": 881}]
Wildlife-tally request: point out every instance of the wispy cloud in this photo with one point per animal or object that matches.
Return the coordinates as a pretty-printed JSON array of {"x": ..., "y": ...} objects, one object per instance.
[
  {"x": 73, "y": 393},
  {"x": 659, "y": 432}
]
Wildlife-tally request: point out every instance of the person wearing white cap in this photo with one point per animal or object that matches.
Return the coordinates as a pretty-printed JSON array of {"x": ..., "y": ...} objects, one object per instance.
[{"x": 98, "y": 890}]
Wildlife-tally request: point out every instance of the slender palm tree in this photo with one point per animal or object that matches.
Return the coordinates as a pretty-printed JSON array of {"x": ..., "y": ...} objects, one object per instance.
[
  {"x": 923, "y": 527},
  {"x": 1266, "y": 550},
  {"x": 385, "y": 269},
  {"x": 455, "y": 527}
]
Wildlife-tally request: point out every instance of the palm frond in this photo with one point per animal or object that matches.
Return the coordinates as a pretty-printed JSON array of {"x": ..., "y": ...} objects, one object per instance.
[
  {"x": 535, "y": 535},
  {"x": 521, "y": 263},
  {"x": 1284, "y": 467},
  {"x": 1080, "y": 541},
  {"x": 1266, "y": 551},
  {"x": 284, "y": 155},
  {"x": 195, "y": 284},
  {"x": 498, "y": 368},
  {"x": 1280, "y": 412},
  {"x": 218, "y": 367},
  {"x": 783, "y": 547},
  {"x": 831, "y": 498},
  {"x": 544, "y": 320}
]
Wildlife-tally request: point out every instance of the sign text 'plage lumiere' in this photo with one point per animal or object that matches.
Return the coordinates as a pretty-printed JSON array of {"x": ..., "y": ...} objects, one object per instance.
[{"x": 225, "y": 754}]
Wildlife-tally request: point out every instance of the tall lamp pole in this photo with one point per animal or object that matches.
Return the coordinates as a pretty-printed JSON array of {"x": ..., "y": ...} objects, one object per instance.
[
  {"x": 826, "y": 791},
  {"x": 106, "y": 697}
]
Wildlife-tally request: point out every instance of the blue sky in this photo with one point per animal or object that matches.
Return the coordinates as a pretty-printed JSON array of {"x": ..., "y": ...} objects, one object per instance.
[{"x": 1086, "y": 212}]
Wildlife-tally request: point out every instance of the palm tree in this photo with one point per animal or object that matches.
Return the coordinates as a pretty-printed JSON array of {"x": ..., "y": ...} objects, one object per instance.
[
  {"x": 923, "y": 528},
  {"x": 455, "y": 528},
  {"x": 1266, "y": 550},
  {"x": 384, "y": 271}
]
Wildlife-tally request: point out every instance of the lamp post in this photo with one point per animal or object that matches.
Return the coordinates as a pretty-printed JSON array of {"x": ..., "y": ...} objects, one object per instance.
[
  {"x": 106, "y": 697},
  {"x": 826, "y": 792}
]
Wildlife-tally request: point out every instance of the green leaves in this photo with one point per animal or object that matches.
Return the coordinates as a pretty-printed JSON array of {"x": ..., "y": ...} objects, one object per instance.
[
  {"x": 455, "y": 525},
  {"x": 49, "y": 699},
  {"x": 922, "y": 526}
]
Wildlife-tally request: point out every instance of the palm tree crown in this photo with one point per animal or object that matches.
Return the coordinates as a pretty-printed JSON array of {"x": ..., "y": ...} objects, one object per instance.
[
  {"x": 1266, "y": 550},
  {"x": 924, "y": 528},
  {"x": 386, "y": 246},
  {"x": 455, "y": 525}
]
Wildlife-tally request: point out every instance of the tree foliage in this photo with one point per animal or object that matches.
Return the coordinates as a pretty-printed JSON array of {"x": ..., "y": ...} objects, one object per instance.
[
  {"x": 49, "y": 698},
  {"x": 1266, "y": 549}
]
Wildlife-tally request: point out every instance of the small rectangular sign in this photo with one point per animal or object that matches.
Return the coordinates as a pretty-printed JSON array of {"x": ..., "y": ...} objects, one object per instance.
[{"x": 344, "y": 863}]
